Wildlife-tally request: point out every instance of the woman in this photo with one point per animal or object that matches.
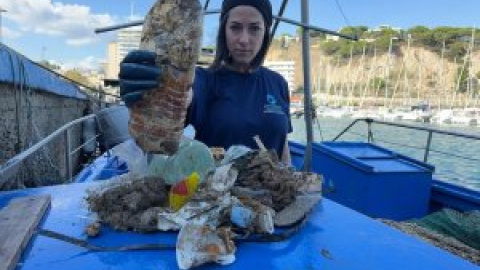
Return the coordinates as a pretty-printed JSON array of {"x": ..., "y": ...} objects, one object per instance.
[{"x": 235, "y": 99}]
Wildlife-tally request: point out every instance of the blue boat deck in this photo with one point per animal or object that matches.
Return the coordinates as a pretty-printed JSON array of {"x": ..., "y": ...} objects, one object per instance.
[{"x": 334, "y": 237}]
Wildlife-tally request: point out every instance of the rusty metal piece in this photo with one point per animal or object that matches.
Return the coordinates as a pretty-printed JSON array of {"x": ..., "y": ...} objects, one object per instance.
[{"x": 93, "y": 229}]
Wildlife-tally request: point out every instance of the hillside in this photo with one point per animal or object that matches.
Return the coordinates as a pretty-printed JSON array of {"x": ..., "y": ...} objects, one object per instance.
[{"x": 408, "y": 76}]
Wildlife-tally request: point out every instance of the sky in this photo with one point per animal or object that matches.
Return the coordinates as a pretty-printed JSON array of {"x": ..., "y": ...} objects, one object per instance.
[{"x": 62, "y": 32}]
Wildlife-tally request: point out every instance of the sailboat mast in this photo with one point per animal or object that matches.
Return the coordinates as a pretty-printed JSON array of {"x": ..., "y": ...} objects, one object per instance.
[{"x": 387, "y": 72}]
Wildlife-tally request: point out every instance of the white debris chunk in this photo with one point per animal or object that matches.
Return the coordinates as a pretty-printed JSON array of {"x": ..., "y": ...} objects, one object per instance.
[{"x": 197, "y": 245}]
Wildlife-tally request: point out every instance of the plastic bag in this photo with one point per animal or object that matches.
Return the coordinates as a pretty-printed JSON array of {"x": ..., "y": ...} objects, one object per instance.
[
  {"x": 222, "y": 179},
  {"x": 136, "y": 160},
  {"x": 234, "y": 152},
  {"x": 192, "y": 156},
  {"x": 195, "y": 212}
]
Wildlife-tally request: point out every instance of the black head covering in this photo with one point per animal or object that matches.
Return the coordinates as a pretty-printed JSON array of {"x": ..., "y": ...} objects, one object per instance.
[{"x": 264, "y": 6}]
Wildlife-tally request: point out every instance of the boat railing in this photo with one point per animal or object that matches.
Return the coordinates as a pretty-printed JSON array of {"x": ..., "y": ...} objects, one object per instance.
[
  {"x": 429, "y": 130},
  {"x": 11, "y": 168}
]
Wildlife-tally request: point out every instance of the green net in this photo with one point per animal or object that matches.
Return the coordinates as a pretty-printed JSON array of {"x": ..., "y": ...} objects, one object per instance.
[{"x": 463, "y": 226}]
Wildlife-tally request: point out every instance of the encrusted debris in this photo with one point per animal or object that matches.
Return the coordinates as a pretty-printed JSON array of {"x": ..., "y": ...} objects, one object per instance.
[
  {"x": 200, "y": 244},
  {"x": 262, "y": 172},
  {"x": 243, "y": 195},
  {"x": 294, "y": 212},
  {"x": 173, "y": 30},
  {"x": 130, "y": 204}
]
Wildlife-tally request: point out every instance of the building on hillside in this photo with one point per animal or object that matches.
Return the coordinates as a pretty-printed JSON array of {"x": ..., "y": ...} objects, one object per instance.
[
  {"x": 329, "y": 37},
  {"x": 97, "y": 80},
  {"x": 286, "y": 69},
  {"x": 286, "y": 40},
  {"x": 112, "y": 94},
  {"x": 385, "y": 27},
  {"x": 94, "y": 77}
]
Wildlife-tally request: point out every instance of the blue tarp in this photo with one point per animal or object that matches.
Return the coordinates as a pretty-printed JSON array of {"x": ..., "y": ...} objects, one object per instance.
[{"x": 17, "y": 69}]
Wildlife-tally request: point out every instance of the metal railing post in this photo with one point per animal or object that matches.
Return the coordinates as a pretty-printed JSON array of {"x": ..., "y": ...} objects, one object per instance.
[
  {"x": 427, "y": 148},
  {"x": 68, "y": 163},
  {"x": 307, "y": 161},
  {"x": 370, "y": 133},
  {"x": 12, "y": 166}
]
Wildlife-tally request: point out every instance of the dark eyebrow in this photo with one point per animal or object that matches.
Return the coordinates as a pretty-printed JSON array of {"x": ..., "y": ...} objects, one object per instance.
[{"x": 253, "y": 23}]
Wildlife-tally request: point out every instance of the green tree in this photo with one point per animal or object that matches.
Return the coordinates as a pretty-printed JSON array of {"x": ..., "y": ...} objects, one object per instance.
[
  {"x": 423, "y": 35},
  {"x": 330, "y": 47},
  {"x": 456, "y": 50},
  {"x": 76, "y": 76},
  {"x": 377, "y": 83},
  {"x": 462, "y": 77},
  {"x": 318, "y": 34},
  {"x": 48, "y": 65},
  {"x": 354, "y": 31}
]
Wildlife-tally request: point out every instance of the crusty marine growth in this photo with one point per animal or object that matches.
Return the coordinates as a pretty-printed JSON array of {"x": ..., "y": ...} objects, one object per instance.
[
  {"x": 173, "y": 30},
  {"x": 129, "y": 203}
]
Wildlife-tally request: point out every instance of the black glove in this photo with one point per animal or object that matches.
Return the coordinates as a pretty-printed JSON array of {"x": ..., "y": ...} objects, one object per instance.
[{"x": 138, "y": 74}]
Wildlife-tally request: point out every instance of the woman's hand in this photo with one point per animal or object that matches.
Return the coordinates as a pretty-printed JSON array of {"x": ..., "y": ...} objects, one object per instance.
[{"x": 138, "y": 74}]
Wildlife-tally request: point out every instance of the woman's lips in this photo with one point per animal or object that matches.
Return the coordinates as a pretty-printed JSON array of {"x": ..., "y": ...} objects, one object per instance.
[{"x": 243, "y": 51}]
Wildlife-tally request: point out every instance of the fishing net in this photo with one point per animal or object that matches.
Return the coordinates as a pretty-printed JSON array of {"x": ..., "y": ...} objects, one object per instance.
[
  {"x": 454, "y": 231},
  {"x": 445, "y": 242},
  {"x": 464, "y": 226}
]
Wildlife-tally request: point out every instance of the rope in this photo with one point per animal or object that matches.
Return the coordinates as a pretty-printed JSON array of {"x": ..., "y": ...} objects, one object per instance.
[
  {"x": 319, "y": 128},
  {"x": 85, "y": 244},
  {"x": 343, "y": 13}
]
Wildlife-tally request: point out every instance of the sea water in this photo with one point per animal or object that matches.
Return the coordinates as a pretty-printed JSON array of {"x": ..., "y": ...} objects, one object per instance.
[{"x": 456, "y": 159}]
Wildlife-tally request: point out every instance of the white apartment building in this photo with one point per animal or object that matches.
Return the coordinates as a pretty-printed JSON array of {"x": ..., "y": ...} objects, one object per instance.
[
  {"x": 286, "y": 69},
  {"x": 127, "y": 39},
  {"x": 111, "y": 67}
]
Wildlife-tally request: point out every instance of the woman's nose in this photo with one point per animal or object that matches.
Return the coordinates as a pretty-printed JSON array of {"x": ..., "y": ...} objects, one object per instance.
[{"x": 244, "y": 37}]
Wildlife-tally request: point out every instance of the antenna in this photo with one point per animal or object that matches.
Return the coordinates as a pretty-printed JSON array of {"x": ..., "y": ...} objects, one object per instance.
[
  {"x": 132, "y": 6},
  {"x": 1, "y": 11},
  {"x": 43, "y": 53}
]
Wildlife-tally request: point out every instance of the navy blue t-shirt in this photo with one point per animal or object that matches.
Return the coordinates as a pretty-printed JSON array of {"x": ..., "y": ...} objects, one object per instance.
[{"x": 229, "y": 108}]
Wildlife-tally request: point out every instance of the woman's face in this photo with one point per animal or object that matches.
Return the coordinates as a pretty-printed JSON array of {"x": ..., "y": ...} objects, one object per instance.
[{"x": 245, "y": 30}]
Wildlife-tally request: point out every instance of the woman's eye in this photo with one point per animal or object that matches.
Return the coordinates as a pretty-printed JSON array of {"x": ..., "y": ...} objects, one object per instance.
[
  {"x": 255, "y": 29},
  {"x": 235, "y": 28}
]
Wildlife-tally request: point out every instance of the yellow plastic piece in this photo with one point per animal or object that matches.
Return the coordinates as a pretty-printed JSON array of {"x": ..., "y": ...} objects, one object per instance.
[{"x": 181, "y": 192}]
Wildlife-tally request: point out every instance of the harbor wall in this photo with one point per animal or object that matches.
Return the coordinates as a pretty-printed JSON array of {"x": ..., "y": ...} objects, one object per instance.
[{"x": 27, "y": 116}]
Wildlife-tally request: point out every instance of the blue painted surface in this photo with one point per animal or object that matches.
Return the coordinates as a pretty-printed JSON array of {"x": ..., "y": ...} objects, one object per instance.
[
  {"x": 452, "y": 196},
  {"x": 20, "y": 70},
  {"x": 370, "y": 179},
  {"x": 442, "y": 194},
  {"x": 335, "y": 237},
  {"x": 370, "y": 157}
]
